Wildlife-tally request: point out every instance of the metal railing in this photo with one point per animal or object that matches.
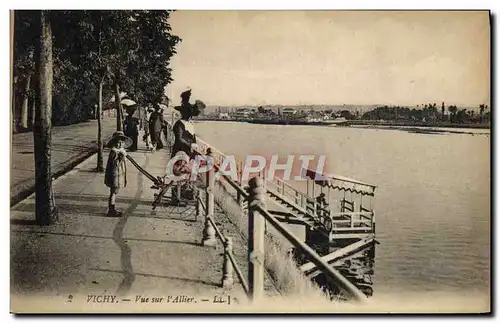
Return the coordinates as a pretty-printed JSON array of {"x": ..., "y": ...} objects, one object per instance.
[{"x": 212, "y": 230}]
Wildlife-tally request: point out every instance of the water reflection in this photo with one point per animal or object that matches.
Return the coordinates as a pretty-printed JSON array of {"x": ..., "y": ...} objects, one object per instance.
[{"x": 358, "y": 268}]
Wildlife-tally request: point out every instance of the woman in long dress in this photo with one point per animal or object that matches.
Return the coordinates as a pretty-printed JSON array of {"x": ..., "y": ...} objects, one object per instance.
[
  {"x": 184, "y": 142},
  {"x": 155, "y": 128},
  {"x": 185, "y": 136},
  {"x": 131, "y": 130}
]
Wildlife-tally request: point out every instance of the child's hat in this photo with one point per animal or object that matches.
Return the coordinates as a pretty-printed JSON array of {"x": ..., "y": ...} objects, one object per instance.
[{"x": 117, "y": 136}]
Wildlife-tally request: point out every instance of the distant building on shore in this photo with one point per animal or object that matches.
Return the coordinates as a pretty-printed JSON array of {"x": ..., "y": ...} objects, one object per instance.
[
  {"x": 288, "y": 112},
  {"x": 223, "y": 116},
  {"x": 242, "y": 113}
]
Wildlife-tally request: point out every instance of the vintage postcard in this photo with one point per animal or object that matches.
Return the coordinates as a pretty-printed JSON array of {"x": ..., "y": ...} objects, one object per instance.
[{"x": 299, "y": 161}]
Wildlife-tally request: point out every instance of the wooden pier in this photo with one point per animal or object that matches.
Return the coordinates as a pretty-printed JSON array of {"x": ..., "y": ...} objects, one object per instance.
[{"x": 342, "y": 221}]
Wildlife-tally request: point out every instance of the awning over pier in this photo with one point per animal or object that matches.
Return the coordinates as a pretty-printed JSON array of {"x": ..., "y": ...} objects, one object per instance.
[{"x": 340, "y": 183}]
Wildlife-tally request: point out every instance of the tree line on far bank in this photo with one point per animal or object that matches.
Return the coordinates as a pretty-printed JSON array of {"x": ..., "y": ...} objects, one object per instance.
[
  {"x": 64, "y": 62},
  {"x": 430, "y": 113}
]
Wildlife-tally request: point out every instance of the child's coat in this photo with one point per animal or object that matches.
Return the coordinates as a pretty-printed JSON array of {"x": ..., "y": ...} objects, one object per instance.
[{"x": 116, "y": 170}]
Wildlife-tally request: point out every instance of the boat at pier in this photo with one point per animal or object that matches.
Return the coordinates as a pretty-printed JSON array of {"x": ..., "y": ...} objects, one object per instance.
[{"x": 337, "y": 122}]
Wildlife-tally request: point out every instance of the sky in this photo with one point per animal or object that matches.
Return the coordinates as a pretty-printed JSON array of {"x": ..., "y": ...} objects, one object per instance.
[{"x": 332, "y": 57}]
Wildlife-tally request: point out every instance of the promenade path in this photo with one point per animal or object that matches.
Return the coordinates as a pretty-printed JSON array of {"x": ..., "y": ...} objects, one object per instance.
[
  {"x": 70, "y": 146},
  {"x": 59, "y": 268}
]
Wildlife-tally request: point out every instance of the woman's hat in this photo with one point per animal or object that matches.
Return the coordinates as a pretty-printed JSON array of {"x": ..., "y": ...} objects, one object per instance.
[
  {"x": 119, "y": 135},
  {"x": 186, "y": 95}
]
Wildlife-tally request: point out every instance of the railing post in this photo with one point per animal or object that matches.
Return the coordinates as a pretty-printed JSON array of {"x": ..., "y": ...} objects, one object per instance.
[
  {"x": 256, "y": 227},
  {"x": 227, "y": 267},
  {"x": 373, "y": 221},
  {"x": 264, "y": 185},
  {"x": 209, "y": 231}
]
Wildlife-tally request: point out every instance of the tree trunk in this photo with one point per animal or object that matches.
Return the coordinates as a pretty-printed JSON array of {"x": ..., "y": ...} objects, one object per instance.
[
  {"x": 33, "y": 111},
  {"x": 13, "y": 110},
  {"x": 13, "y": 78},
  {"x": 119, "y": 112},
  {"x": 42, "y": 132},
  {"x": 23, "y": 118},
  {"x": 100, "y": 161}
]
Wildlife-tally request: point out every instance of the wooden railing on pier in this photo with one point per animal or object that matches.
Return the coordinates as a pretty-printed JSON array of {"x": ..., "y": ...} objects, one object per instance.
[{"x": 313, "y": 215}]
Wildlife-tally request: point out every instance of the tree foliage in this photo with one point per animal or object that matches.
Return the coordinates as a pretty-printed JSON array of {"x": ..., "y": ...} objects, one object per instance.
[
  {"x": 131, "y": 48},
  {"x": 426, "y": 113}
]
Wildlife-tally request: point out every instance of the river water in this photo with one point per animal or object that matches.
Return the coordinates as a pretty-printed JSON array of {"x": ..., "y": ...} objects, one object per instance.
[{"x": 432, "y": 199}]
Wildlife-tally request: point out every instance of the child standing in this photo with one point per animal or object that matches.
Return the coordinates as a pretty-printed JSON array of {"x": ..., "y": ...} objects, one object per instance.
[{"x": 116, "y": 169}]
